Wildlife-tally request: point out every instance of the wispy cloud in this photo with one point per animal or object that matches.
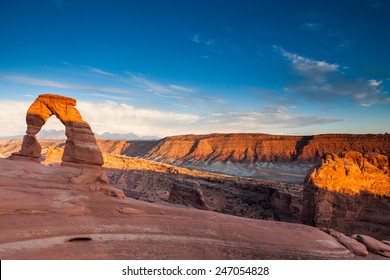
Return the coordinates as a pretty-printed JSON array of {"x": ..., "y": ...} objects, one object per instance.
[
  {"x": 55, "y": 84},
  {"x": 181, "y": 88},
  {"x": 102, "y": 116},
  {"x": 306, "y": 66},
  {"x": 12, "y": 117},
  {"x": 266, "y": 118},
  {"x": 374, "y": 83},
  {"x": 129, "y": 84},
  {"x": 170, "y": 90},
  {"x": 326, "y": 82},
  {"x": 196, "y": 38},
  {"x": 122, "y": 118},
  {"x": 102, "y": 72},
  {"x": 312, "y": 26},
  {"x": 66, "y": 63},
  {"x": 344, "y": 44},
  {"x": 274, "y": 97},
  {"x": 210, "y": 42},
  {"x": 109, "y": 96}
]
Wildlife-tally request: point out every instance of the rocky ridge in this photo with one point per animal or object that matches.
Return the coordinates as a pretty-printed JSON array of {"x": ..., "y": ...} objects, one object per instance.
[
  {"x": 261, "y": 156},
  {"x": 262, "y": 147}
]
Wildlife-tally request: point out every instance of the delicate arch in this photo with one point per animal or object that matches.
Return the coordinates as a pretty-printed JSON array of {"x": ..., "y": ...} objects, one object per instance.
[{"x": 80, "y": 145}]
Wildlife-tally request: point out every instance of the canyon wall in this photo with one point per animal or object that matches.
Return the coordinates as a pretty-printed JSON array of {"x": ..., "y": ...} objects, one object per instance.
[
  {"x": 156, "y": 182},
  {"x": 252, "y": 148},
  {"x": 349, "y": 192},
  {"x": 245, "y": 148}
]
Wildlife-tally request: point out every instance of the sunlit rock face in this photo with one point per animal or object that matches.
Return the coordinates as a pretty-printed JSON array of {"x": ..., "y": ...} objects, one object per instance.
[
  {"x": 80, "y": 146},
  {"x": 351, "y": 193},
  {"x": 254, "y": 148}
]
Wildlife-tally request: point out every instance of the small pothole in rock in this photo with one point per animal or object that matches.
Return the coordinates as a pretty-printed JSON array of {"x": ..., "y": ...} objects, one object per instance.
[{"x": 80, "y": 239}]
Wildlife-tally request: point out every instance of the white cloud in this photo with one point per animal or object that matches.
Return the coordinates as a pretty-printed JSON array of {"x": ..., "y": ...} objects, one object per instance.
[
  {"x": 51, "y": 83},
  {"x": 109, "y": 96},
  {"x": 102, "y": 116},
  {"x": 324, "y": 82},
  {"x": 374, "y": 83},
  {"x": 313, "y": 26},
  {"x": 198, "y": 39},
  {"x": 181, "y": 88},
  {"x": 150, "y": 86},
  {"x": 266, "y": 118},
  {"x": 13, "y": 117},
  {"x": 306, "y": 66},
  {"x": 114, "y": 117},
  {"x": 123, "y": 118},
  {"x": 101, "y": 72},
  {"x": 164, "y": 90},
  {"x": 66, "y": 63}
]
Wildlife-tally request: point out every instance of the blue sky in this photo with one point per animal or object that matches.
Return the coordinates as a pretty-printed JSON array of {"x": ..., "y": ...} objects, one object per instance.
[{"x": 176, "y": 67}]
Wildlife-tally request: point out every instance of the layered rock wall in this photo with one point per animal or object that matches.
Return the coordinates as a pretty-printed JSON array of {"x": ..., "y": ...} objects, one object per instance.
[
  {"x": 349, "y": 192},
  {"x": 254, "y": 148}
]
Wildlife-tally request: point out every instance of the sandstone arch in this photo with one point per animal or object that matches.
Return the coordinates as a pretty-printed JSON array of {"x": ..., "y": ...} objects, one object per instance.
[{"x": 80, "y": 146}]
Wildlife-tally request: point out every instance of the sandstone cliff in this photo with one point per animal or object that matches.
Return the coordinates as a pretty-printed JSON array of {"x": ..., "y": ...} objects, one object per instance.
[
  {"x": 246, "y": 148},
  {"x": 261, "y": 156},
  {"x": 351, "y": 193},
  {"x": 262, "y": 147}
]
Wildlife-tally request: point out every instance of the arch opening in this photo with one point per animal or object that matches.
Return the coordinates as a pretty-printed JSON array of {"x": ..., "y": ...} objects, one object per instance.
[{"x": 80, "y": 145}]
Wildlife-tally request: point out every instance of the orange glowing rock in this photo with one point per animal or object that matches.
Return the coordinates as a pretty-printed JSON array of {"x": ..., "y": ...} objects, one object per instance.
[
  {"x": 353, "y": 173},
  {"x": 80, "y": 146}
]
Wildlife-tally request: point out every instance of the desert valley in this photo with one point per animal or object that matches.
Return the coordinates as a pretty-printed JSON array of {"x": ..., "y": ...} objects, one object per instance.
[{"x": 216, "y": 196}]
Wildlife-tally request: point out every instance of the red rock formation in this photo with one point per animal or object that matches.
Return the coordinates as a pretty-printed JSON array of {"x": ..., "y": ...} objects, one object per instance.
[
  {"x": 350, "y": 243},
  {"x": 351, "y": 193},
  {"x": 247, "y": 148},
  {"x": 224, "y": 147},
  {"x": 80, "y": 146},
  {"x": 255, "y": 147},
  {"x": 373, "y": 245},
  {"x": 43, "y": 216}
]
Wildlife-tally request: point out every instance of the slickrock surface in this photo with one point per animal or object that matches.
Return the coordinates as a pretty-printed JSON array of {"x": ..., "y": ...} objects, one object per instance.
[
  {"x": 350, "y": 243},
  {"x": 80, "y": 146},
  {"x": 43, "y": 216},
  {"x": 373, "y": 245},
  {"x": 350, "y": 192}
]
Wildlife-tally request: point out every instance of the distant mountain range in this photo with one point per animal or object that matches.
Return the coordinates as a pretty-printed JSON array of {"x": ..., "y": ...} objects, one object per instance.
[
  {"x": 53, "y": 134},
  {"x": 126, "y": 136}
]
